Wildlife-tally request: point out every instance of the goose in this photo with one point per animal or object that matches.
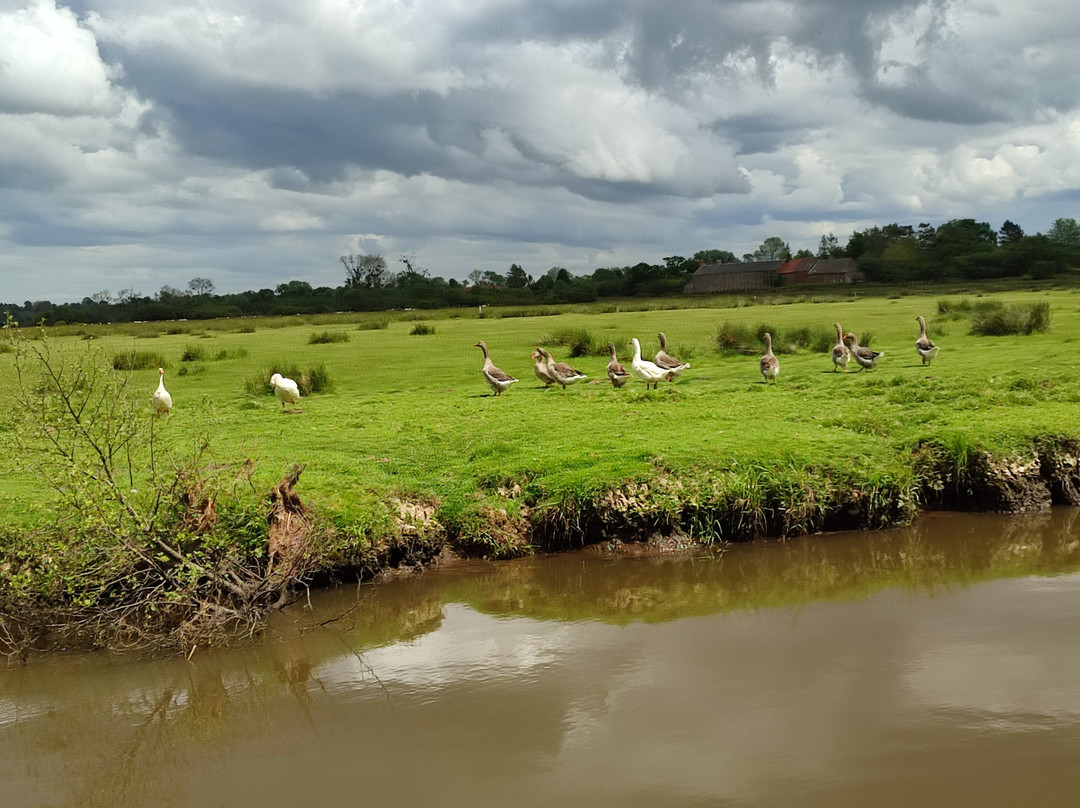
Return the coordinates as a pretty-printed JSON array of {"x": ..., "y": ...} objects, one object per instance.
[
  {"x": 560, "y": 372},
  {"x": 497, "y": 378},
  {"x": 926, "y": 348},
  {"x": 162, "y": 399},
  {"x": 286, "y": 390},
  {"x": 615, "y": 371},
  {"x": 770, "y": 365},
  {"x": 669, "y": 363},
  {"x": 840, "y": 352},
  {"x": 864, "y": 357},
  {"x": 540, "y": 369},
  {"x": 648, "y": 372}
]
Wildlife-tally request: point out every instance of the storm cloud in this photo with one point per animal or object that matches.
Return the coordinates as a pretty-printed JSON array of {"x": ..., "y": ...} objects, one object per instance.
[{"x": 253, "y": 142}]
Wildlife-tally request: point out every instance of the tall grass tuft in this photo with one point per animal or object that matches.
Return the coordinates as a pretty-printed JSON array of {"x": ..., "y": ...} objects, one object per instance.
[
  {"x": 577, "y": 341},
  {"x": 422, "y": 330},
  {"x": 193, "y": 353},
  {"x": 737, "y": 338},
  {"x": 311, "y": 380},
  {"x": 374, "y": 325},
  {"x": 327, "y": 337},
  {"x": 138, "y": 360},
  {"x": 1000, "y": 320}
]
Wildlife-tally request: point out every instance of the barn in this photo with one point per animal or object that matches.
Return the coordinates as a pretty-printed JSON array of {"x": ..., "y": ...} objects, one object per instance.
[
  {"x": 745, "y": 277},
  {"x": 756, "y": 275}
]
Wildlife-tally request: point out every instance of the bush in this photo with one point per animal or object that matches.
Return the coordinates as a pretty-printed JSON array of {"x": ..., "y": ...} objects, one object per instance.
[
  {"x": 138, "y": 360},
  {"x": 326, "y": 337},
  {"x": 999, "y": 320},
  {"x": 422, "y": 329}
]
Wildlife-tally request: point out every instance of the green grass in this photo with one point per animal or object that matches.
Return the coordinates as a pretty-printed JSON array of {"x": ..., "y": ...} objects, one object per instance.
[{"x": 414, "y": 420}]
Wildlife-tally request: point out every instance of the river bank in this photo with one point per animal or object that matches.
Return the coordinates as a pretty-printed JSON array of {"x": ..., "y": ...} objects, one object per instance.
[{"x": 126, "y": 530}]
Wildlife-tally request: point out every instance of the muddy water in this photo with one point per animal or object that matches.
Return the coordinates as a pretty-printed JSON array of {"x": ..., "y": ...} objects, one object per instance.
[{"x": 937, "y": 665}]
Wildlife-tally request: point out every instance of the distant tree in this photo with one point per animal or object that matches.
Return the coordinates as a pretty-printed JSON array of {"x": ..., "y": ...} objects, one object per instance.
[
  {"x": 127, "y": 295},
  {"x": 475, "y": 278},
  {"x": 168, "y": 293},
  {"x": 294, "y": 289},
  {"x": 715, "y": 257},
  {"x": 200, "y": 286},
  {"x": 772, "y": 249},
  {"x": 1010, "y": 233},
  {"x": 516, "y": 278},
  {"x": 926, "y": 236},
  {"x": 411, "y": 269},
  {"x": 1065, "y": 231},
  {"x": 364, "y": 271},
  {"x": 493, "y": 280},
  {"x": 104, "y": 297},
  {"x": 960, "y": 236},
  {"x": 829, "y": 247}
]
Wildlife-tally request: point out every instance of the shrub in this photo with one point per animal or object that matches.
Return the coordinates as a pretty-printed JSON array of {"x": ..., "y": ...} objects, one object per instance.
[
  {"x": 138, "y": 360},
  {"x": 422, "y": 329},
  {"x": 326, "y": 337}
]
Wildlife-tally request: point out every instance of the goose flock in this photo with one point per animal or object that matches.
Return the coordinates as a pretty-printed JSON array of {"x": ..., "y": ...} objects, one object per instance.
[{"x": 663, "y": 367}]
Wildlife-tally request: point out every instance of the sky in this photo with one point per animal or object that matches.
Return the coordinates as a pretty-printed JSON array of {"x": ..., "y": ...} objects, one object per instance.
[{"x": 147, "y": 142}]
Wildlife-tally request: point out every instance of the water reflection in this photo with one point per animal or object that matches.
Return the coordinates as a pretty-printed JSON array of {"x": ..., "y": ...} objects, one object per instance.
[{"x": 815, "y": 672}]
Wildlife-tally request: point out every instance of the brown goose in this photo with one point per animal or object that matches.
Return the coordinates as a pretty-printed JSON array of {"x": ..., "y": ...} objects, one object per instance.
[
  {"x": 496, "y": 377},
  {"x": 561, "y": 372},
  {"x": 540, "y": 369},
  {"x": 864, "y": 357},
  {"x": 926, "y": 348},
  {"x": 770, "y": 365},
  {"x": 840, "y": 352},
  {"x": 669, "y": 363},
  {"x": 615, "y": 371}
]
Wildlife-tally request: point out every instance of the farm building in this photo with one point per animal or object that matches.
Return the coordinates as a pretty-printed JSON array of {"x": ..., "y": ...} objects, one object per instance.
[
  {"x": 712, "y": 278},
  {"x": 745, "y": 277},
  {"x": 819, "y": 270}
]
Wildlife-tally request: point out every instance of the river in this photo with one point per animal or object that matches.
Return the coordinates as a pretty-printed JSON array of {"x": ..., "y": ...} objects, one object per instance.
[{"x": 935, "y": 665}]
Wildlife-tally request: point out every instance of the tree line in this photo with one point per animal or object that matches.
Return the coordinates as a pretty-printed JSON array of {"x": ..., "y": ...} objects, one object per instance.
[{"x": 960, "y": 249}]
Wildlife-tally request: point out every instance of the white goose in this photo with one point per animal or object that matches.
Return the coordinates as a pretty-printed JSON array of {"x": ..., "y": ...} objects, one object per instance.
[
  {"x": 496, "y": 377},
  {"x": 840, "y": 353},
  {"x": 864, "y": 357},
  {"x": 648, "y": 372},
  {"x": 770, "y": 365},
  {"x": 669, "y": 363},
  {"x": 540, "y": 369},
  {"x": 926, "y": 348},
  {"x": 286, "y": 390},
  {"x": 162, "y": 399},
  {"x": 561, "y": 372},
  {"x": 615, "y": 371}
]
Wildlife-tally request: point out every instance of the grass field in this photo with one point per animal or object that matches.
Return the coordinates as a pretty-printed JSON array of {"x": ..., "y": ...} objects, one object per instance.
[{"x": 408, "y": 414}]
